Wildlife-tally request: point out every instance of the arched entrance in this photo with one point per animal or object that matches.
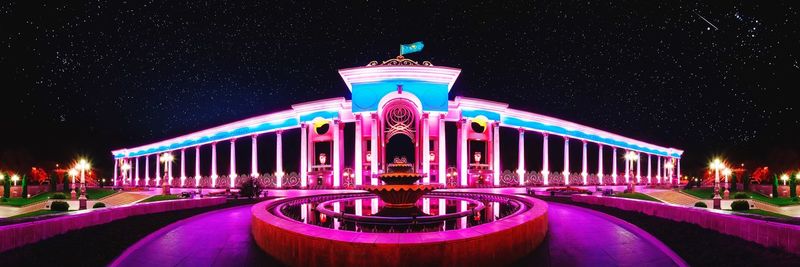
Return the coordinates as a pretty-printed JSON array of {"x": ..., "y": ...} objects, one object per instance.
[
  {"x": 400, "y": 119},
  {"x": 400, "y": 146}
]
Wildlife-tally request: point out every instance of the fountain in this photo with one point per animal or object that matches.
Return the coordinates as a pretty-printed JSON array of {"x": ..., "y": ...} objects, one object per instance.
[
  {"x": 400, "y": 222},
  {"x": 399, "y": 191}
]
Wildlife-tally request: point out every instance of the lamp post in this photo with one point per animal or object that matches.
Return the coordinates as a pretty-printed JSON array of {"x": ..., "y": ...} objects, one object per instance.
[
  {"x": 125, "y": 168},
  {"x": 784, "y": 177},
  {"x": 669, "y": 165},
  {"x": 727, "y": 173},
  {"x": 630, "y": 157},
  {"x": 15, "y": 178},
  {"x": 82, "y": 166},
  {"x": 716, "y": 165},
  {"x": 167, "y": 159},
  {"x": 72, "y": 173}
]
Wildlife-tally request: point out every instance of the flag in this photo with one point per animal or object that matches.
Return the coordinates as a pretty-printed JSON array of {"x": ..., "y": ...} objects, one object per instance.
[{"x": 411, "y": 48}]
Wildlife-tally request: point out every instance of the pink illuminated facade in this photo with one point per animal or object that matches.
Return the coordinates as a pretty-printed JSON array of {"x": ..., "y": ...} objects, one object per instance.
[{"x": 405, "y": 102}]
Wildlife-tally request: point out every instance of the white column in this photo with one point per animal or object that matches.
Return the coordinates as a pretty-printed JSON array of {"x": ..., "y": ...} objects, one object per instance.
[
  {"x": 146, "y": 170},
  {"x": 496, "y": 153},
  {"x": 678, "y": 170},
  {"x": 183, "y": 167},
  {"x": 214, "y": 165},
  {"x": 464, "y": 157},
  {"x": 566, "y": 161},
  {"x": 279, "y": 158},
  {"x": 303, "y": 155},
  {"x": 442, "y": 154},
  {"x": 614, "y": 160},
  {"x": 137, "y": 171},
  {"x": 158, "y": 169},
  {"x": 358, "y": 161},
  {"x": 521, "y": 157},
  {"x": 426, "y": 149},
  {"x": 169, "y": 170},
  {"x": 197, "y": 166},
  {"x": 638, "y": 168},
  {"x": 337, "y": 173},
  {"x": 600, "y": 163},
  {"x": 649, "y": 169},
  {"x": 658, "y": 169},
  {"x": 584, "y": 164},
  {"x": 116, "y": 167},
  {"x": 627, "y": 168},
  {"x": 254, "y": 156},
  {"x": 545, "y": 159},
  {"x": 373, "y": 147},
  {"x": 232, "y": 174}
]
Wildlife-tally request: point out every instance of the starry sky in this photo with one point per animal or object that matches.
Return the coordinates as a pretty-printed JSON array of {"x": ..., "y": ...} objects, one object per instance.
[{"x": 82, "y": 78}]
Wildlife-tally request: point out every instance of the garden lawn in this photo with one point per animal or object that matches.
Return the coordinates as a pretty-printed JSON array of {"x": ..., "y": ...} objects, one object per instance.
[
  {"x": 708, "y": 193},
  {"x": 765, "y": 213},
  {"x": 639, "y": 196},
  {"x": 161, "y": 198},
  {"x": 35, "y": 213},
  {"x": 91, "y": 193}
]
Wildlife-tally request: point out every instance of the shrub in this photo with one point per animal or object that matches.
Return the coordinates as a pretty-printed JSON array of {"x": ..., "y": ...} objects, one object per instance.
[
  {"x": 99, "y": 205},
  {"x": 249, "y": 189},
  {"x": 740, "y": 195},
  {"x": 58, "y": 196},
  {"x": 740, "y": 205},
  {"x": 59, "y": 206},
  {"x": 700, "y": 204}
]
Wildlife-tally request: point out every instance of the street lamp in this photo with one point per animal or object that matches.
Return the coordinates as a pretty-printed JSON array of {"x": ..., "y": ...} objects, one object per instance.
[
  {"x": 82, "y": 166},
  {"x": 125, "y": 168},
  {"x": 784, "y": 177},
  {"x": 15, "y": 178},
  {"x": 716, "y": 165},
  {"x": 167, "y": 159},
  {"x": 72, "y": 173},
  {"x": 669, "y": 165},
  {"x": 630, "y": 157}
]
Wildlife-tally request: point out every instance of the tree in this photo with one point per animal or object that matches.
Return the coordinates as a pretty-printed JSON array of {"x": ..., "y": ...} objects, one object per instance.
[
  {"x": 66, "y": 184},
  {"x": 53, "y": 183},
  {"x": 24, "y": 186},
  {"x": 733, "y": 183},
  {"x": 793, "y": 187},
  {"x": 6, "y": 187},
  {"x": 774, "y": 185},
  {"x": 746, "y": 182}
]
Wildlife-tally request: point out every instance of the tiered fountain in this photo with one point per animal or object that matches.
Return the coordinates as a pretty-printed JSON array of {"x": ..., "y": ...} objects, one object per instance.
[{"x": 399, "y": 190}]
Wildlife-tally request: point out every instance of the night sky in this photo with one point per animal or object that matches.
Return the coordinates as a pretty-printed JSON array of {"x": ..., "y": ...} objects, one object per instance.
[{"x": 86, "y": 78}]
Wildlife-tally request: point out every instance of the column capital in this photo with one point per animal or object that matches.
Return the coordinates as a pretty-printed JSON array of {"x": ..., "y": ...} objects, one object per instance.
[
  {"x": 357, "y": 116},
  {"x": 442, "y": 115},
  {"x": 303, "y": 125},
  {"x": 545, "y": 135},
  {"x": 566, "y": 139},
  {"x": 521, "y": 131},
  {"x": 425, "y": 115},
  {"x": 279, "y": 132},
  {"x": 584, "y": 141}
]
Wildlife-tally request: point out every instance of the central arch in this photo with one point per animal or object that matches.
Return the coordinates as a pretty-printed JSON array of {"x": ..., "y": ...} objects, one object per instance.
[{"x": 400, "y": 123}]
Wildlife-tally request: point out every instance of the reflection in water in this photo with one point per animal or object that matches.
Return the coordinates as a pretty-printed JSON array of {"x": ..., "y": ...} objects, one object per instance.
[{"x": 307, "y": 213}]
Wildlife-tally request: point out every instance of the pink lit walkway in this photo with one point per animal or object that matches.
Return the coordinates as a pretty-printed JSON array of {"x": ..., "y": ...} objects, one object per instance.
[{"x": 577, "y": 237}]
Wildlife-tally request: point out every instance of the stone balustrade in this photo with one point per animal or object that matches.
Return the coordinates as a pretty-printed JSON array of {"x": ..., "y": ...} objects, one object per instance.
[
  {"x": 17, "y": 235},
  {"x": 768, "y": 234}
]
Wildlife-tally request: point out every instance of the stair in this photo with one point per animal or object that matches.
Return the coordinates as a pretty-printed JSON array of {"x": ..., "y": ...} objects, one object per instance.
[
  {"x": 123, "y": 198},
  {"x": 673, "y": 197}
]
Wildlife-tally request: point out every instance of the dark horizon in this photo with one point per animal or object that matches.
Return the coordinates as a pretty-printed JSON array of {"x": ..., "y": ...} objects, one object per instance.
[{"x": 83, "y": 79}]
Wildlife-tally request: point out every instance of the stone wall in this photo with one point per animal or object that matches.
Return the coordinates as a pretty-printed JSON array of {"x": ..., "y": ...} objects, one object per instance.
[
  {"x": 768, "y": 234},
  {"x": 16, "y": 235}
]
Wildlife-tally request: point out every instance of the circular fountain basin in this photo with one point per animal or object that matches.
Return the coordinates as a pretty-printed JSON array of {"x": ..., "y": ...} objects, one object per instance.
[{"x": 451, "y": 237}]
